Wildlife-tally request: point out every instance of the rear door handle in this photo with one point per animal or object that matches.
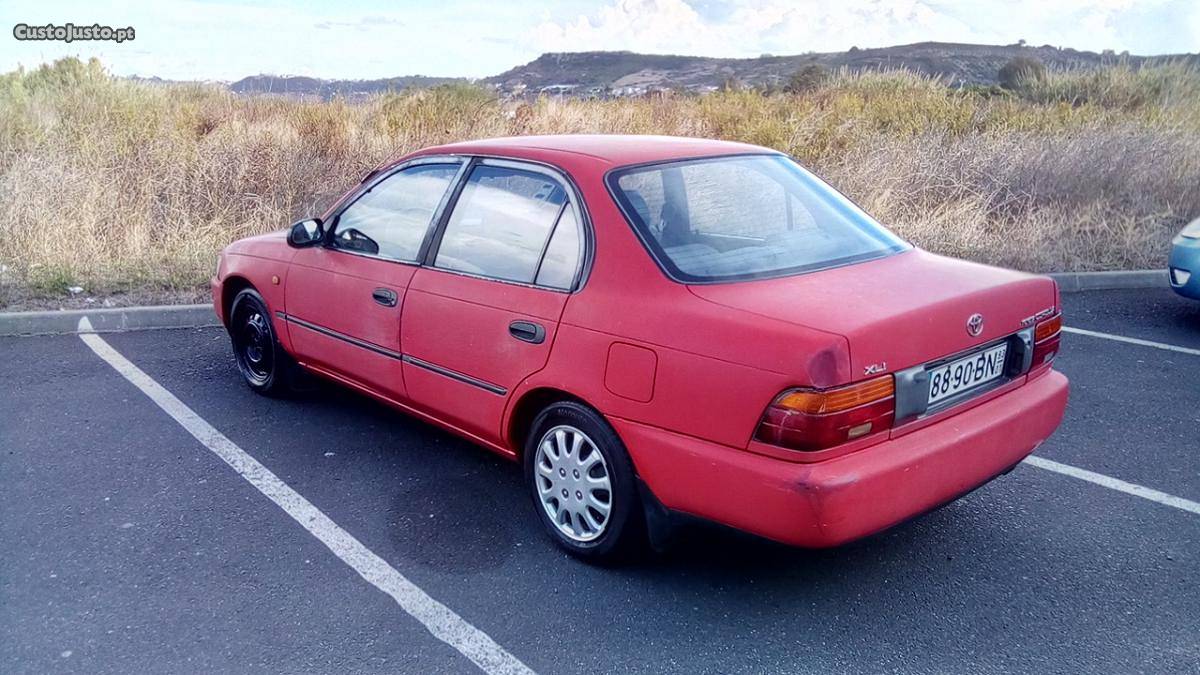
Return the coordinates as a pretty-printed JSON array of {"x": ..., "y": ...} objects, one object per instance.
[
  {"x": 527, "y": 331},
  {"x": 384, "y": 296}
]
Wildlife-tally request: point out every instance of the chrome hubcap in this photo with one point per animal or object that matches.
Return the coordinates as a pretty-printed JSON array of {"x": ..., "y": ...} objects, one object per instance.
[{"x": 573, "y": 483}]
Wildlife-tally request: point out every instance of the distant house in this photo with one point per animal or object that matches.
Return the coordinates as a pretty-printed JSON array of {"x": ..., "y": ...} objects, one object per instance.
[{"x": 557, "y": 89}]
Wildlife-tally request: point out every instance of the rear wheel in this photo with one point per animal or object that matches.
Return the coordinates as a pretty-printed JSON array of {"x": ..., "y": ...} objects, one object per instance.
[
  {"x": 582, "y": 483},
  {"x": 264, "y": 365}
]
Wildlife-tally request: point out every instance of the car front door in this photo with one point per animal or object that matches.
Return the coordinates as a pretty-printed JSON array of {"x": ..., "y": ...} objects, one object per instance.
[
  {"x": 480, "y": 317},
  {"x": 344, "y": 300}
]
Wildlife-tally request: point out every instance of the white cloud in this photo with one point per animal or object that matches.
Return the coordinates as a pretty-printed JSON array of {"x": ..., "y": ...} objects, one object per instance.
[
  {"x": 229, "y": 39},
  {"x": 750, "y": 27},
  {"x": 624, "y": 24}
]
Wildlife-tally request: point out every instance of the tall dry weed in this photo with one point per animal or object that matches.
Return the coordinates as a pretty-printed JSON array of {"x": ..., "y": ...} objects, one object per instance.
[{"x": 115, "y": 185}]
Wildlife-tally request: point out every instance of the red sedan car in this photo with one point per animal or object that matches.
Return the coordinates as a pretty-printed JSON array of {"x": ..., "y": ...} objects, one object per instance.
[{"x": 659, "y": 327}]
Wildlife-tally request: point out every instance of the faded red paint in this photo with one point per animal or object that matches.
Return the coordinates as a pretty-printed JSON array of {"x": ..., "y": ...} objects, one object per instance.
[{"x": 683, "y": 373}]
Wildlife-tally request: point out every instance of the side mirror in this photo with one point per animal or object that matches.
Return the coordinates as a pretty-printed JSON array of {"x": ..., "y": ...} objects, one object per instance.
[{"x": 306, "y": 233}]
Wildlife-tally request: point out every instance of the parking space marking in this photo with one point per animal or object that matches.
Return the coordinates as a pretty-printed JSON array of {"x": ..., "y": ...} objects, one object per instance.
[
  {"x": 1132, "y": 341},
  {"x": 1115, "y": 484},
  {"x": 440, "y": 620}
]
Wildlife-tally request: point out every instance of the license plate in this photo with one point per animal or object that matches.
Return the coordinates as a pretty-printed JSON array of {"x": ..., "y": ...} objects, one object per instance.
[{"x": 966, "y": 373}]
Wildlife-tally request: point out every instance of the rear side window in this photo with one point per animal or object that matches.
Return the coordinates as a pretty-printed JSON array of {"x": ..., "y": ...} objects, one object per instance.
[
  {"x": 391, "y": 219},
  {"x": 505, "y": 222}
]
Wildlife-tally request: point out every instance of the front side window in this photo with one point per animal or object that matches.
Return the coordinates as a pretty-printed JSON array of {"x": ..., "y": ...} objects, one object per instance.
[
  {"x": 745, "y": 217},
  {"x": 390, "y": 220},
  {"x": 502, "y": 227}
]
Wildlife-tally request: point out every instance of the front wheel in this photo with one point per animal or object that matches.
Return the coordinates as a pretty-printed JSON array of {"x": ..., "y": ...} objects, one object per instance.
[
  {"x": 582, "y": 482},
  {"x": 262, "y": 362}
]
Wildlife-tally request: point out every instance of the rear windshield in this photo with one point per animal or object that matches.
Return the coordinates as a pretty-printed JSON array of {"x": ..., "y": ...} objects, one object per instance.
[{"x": 745, "y": 217}]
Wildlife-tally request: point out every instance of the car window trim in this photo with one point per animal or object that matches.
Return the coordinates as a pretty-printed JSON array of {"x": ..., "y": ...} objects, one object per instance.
[
  {"x": 373, "y": 181},
  {"x": 572, "y": 201}
]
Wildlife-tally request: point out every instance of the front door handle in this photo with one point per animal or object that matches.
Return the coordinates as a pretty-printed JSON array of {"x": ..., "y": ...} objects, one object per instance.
[
  {"x": 527, "y": 331},
  {"x": 384, "y": 296}
]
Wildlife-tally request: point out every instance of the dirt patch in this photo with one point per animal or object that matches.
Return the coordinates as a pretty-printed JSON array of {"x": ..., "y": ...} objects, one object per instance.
[{"x": 16, "y": 299}]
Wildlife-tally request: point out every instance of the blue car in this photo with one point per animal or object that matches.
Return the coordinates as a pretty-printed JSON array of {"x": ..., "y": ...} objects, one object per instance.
[{"x": 1184, "y": 263}]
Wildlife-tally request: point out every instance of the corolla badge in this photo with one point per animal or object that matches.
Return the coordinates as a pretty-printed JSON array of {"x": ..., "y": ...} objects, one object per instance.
[
  {"x": 1030, "y": 320},
  {"x": 975, "y": 325}
]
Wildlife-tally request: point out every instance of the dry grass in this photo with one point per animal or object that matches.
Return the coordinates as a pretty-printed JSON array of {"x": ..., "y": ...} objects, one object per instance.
[{"x": 116, "y": 186}]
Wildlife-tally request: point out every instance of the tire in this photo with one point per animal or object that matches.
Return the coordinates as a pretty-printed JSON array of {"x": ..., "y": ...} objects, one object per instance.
[
  {"x": 569, "y": 484},
  {"x": 265, "y": 366}
]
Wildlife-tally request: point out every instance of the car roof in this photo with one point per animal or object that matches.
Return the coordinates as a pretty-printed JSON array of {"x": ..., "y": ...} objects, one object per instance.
[{"x": 612, "y": 149}]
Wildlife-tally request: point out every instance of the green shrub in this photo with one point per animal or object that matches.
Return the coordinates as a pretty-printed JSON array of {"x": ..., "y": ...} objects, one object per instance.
[
  {"x": 807, "y": 78},
  {"x": 1021, "y": 72},
  {"x": 1174, "y": 86}
]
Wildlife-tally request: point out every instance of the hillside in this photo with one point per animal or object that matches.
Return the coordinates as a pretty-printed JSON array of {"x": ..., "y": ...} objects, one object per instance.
[
  {"x": 311, "y": 87},
  {"x": 955, "y": 63},
  {"x": 627, "y": 73}
]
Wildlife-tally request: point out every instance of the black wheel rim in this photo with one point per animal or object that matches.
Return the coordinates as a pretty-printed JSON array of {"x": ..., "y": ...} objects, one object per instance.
[{"x": 254, "y": 345}]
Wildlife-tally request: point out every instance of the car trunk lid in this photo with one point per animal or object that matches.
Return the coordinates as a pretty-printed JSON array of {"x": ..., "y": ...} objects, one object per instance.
[{"x": 899, "y": 311}]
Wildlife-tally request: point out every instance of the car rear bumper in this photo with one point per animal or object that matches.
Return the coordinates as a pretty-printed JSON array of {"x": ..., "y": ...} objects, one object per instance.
[
  {"x": 842, "y": 499},
  {"x": 1185, "y": 262}
]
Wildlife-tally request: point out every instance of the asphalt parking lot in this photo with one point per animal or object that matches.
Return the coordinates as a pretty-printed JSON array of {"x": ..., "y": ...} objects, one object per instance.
[{"x": 128, "y": 546}]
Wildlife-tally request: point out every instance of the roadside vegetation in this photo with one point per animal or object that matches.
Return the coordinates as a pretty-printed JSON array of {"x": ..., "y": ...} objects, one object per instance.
[{"x": 116, "y": 186}]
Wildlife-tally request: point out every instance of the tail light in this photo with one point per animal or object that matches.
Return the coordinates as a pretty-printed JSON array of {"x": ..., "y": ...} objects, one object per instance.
[
  {"x": 814, "y": 419},
  {"x": 1046, "y": 338}
]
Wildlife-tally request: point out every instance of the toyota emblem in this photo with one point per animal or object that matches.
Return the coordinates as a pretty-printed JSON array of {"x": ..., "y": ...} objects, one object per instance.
[{"x": 975, "y": 325}]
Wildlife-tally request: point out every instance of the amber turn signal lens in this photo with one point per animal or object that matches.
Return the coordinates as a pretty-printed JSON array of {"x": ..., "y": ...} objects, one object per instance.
[
  {"x": 1048, "y": 328},
  {"x": 835, "y": 400},
  {"x": 810, "y": 420}
]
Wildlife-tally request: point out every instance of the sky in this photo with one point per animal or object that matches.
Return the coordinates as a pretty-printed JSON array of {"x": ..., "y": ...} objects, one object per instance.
[{"x": 228, "y": 40}]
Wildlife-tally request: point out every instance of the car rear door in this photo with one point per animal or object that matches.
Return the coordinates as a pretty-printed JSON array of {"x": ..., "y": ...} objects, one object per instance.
[
  {"x": 480, "y": 317},
  {"x": 344, "y": 300}
]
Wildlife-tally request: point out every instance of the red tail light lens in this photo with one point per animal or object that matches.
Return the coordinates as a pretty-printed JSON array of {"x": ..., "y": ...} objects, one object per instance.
[
  {"x": 815, "y": 419},
  {"x": 1046, "y": 338}
]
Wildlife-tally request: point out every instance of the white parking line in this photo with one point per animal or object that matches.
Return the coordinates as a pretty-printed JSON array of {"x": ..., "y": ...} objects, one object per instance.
[
  {"x": 1115, "y": 484},
  {"x": 1132, "y": 341},
  {"x": 439, "y": 619}
]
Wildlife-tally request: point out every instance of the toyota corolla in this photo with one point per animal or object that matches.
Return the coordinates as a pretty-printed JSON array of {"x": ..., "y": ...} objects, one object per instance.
[{"x": 658, "y": 328}]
